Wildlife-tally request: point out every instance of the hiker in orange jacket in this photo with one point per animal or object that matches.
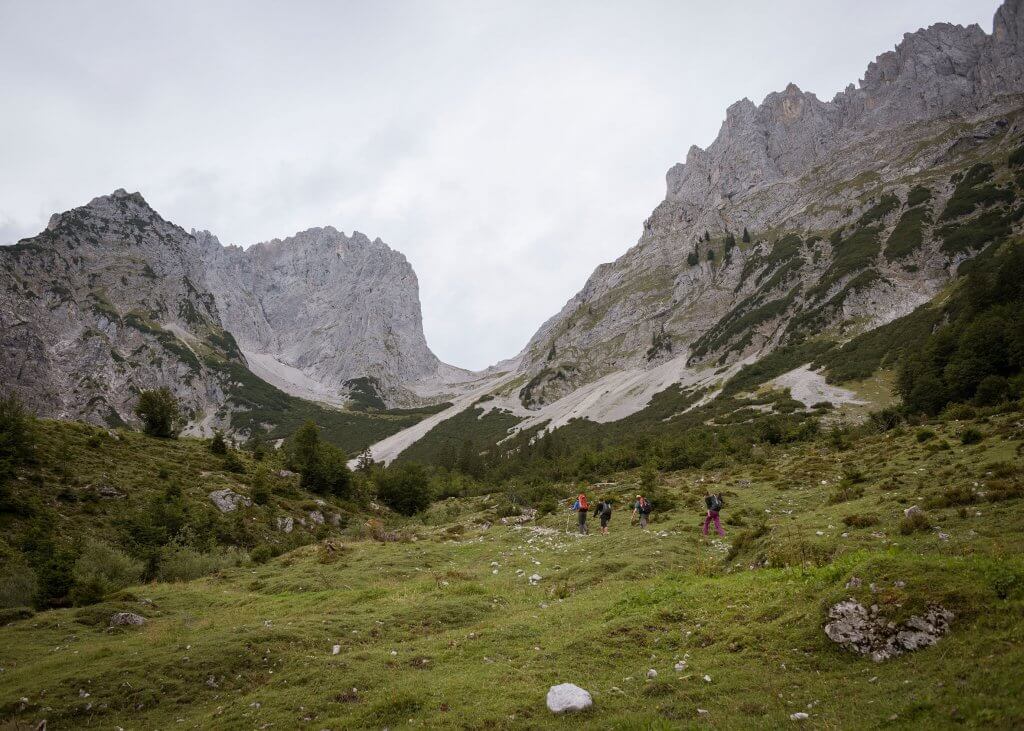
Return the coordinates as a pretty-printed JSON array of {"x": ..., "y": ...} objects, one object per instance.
[{"x": 581, "y": 506}]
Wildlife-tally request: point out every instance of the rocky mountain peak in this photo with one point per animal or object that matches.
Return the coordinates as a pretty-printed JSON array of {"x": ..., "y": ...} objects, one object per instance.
[
  {"x": 1008, "y": 25},
  {"x": 797, "y": 164}
]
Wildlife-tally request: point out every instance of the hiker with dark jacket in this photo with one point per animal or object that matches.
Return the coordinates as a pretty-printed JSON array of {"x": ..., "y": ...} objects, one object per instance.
[
  {"x": 642, "y": 508},
  {"x": 714, "y": 504},
  {"x": 603, "y": 510},
  {"x": 581, "y": 506}
]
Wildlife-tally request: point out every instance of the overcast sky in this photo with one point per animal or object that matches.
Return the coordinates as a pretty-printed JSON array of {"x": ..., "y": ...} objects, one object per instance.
[{"x": 506, "y": 148}]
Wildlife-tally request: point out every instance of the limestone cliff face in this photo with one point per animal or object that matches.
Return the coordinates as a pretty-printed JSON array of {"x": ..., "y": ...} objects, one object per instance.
[
  {"x": 107, "y": 301},
  {"x": 797, "y": 166},
  {"x": 336, "y": 308},
  {"x": 111, "y": 299}
]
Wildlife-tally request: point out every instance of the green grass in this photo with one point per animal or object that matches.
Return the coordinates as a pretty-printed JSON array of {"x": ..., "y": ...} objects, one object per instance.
[{"x": 429, "y": 636}]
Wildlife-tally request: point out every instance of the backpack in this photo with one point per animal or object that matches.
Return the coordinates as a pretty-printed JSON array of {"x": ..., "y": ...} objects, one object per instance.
[
  {"x": 645, "y": 507},
  {"x": 714, "y": 503},
  {"x": 584, "y": 505},
  {"x": 604, "y": 510}
]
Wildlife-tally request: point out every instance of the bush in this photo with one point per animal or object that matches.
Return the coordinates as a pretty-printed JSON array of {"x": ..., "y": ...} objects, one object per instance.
[
  {"x": 159, "y": 412},
  {"x": 959, "y": 412},
  {"x": 970, "y": 435},
  {"x": 323, "y": 467},
  {"x": 181, "y": 563},
  {"x": 844, "y": 491},
  {"x": 17, "y": 436},
  {"x": 404, "y": 488},
  {"x": 952, "y": 496},
  {"x": 923, "y": 435},
  {"x": 262, "y": 553},
  {"x": 260, "y": 493},
  {"x": 217, "y": 443},
  {"x": 233, "y": 463},
  {"x": 101, "y": 570},
  {"x": 886, "y": 419},
  {"x": 860, "y": 521},
  {"x": 18, "y": 585},
  {"x": 991, "y": 391},
  {"x": 916, "y": 521}
]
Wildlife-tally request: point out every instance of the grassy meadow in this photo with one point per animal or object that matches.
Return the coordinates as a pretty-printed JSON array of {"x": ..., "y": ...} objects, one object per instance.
[{"x": 440, "y": 625}]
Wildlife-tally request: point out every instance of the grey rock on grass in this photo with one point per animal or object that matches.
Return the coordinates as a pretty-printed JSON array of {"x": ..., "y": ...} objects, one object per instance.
[
  {"x": 568, "y": 698},
  {"x": 867, "y": 632}
]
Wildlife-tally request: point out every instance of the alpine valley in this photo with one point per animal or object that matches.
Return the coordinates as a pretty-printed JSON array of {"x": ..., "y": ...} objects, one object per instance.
[
  {"x": 790, "y": 250},
  {"x": 238, "y": 490}
]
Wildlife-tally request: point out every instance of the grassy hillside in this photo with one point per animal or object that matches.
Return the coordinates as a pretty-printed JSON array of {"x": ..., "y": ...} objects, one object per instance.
[
  {"x": 442, "y": 628},
  {"x": 150, "y": 499}
]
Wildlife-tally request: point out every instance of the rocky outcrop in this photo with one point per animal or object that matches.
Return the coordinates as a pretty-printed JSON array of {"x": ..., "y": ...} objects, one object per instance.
[
  {"x": 795, "y": 165},
  {"x": 127, "y": 619},
  {"x": 866, "y": 631},
  {"x": 228, "y": 501}
]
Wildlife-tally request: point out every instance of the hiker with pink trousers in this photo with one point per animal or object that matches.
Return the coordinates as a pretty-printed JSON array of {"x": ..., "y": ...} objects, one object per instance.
[{"x": 714, "y": 504}]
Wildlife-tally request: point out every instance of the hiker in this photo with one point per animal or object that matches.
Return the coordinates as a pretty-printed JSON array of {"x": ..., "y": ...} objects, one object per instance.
[
  {"x": 581, "y": 506},
  {"x": 714, "y": 504},
  {"x": 642, "y": 508},
  {"x": 603, "y": 510}
]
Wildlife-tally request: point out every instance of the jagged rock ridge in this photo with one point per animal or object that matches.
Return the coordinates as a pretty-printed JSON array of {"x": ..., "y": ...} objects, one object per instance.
[
  {"x": 796, "y": 166},
  {"x": 111, "y": 299}
]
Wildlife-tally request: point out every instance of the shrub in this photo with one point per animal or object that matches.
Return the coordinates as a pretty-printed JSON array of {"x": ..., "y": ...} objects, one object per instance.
[
  {"x": 404, "y": 488},
  {"x": 970, "y": 435},
  {"x": 182, "y": 563},
  {"x": 959, "y": 412},
  {"x": 853, "y": 473},
  {"x": 844, "y": 491},
  {"x": 17, "y": 436},
  {"x": 952, "y": 496},
  {"x": 18, "y": 585},
  {"x": 100, "y": 570},
  {"x": 1000, "y": 489},
  {"x": 856, "y": 520},
  {"x": 923, "y": 435},
  {"x": 159, "y": 412},
  {"x": 233, "y": 463},
  {"x": 991, "y": 390},
  {"x": 217, "y": 443},
  {"x": 323, "y": 467},
  {"x": 886, "y": 419},
  {"x": 261, "y": 554},
  {"x": 916, "y": 521},
  {"x": 1003, "y": 469},
  {"x": 260, "y": 493}
]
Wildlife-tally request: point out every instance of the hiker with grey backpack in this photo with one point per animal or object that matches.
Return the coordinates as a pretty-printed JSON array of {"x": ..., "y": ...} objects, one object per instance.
[
  {"x": 714, "y": 505},
  {"x": 642, "y": 509}
]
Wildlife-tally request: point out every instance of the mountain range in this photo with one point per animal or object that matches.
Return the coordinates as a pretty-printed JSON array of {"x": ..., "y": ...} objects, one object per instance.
[{"x": 804, "y": 225}]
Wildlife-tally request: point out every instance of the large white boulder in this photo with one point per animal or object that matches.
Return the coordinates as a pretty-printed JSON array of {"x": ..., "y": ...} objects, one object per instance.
[{"x": 568, "y": 698}]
